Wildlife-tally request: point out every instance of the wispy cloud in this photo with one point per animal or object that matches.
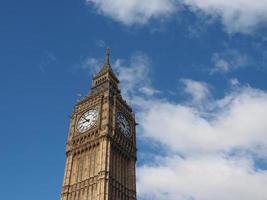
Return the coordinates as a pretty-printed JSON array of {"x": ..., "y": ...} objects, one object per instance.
[
  {"x": 49, "y": 58},
  {"x": 101, "y": 43},
  {"x": 228, "y": 60},
  {"x": 237, "y": 16},
  {"x": 148, "y": 90},
  {"x": 134, "y": 75},
  {"x": 199, "y": 91},
  {"x": 133, "y": 11},
  {"x": 93, "y": 64},
  {"x": 234, "y": 82}
]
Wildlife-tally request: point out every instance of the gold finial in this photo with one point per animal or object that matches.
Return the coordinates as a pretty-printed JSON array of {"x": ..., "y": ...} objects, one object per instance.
[{"x": 107, "y": 55}]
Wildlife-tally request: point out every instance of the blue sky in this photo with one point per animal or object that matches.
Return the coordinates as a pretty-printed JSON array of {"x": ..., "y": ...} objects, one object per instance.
[{"x": 195, "y": 72}]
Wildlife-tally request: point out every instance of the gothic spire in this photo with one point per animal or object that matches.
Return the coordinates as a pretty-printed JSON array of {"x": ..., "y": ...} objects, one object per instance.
[
  {"x": 106, "y": 68},
  {"x": 107, "y": 56},
  {"x": 106, "y": 65}
]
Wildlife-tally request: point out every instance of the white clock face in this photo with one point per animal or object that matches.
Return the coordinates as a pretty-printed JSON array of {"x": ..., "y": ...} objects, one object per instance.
[
  {"x": 123, "y": 124},
  {"x": 87, "y": 120}
]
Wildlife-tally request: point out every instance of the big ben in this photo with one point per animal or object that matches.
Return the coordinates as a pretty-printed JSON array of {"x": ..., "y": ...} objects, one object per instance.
[{"x": 101, "y": 144}]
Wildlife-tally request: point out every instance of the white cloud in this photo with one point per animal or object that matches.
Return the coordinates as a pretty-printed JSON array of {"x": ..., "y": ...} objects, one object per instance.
[
  {"x": 148, "y": 90},
  {"x": 133, "y": 75},
  {"x": 198, "y": 90},
  {"x": 220, "y": 64},
  {"x": 218, "y": 148},
  {"x": 134, "y": 11},
  {"x": 234, "y": 82},
  {"x": 228, "y": 60},
  {"x": 237, "y": 16},
  {"x": 228, "y": 126},
  {"x": 203, "y": 178},
  {"x": 93, "y": 64}
]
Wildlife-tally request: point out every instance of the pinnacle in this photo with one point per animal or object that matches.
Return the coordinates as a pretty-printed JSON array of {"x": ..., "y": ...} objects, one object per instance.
[
  {"x": 106, "y": 68},
  {"x": 106, "y": 65},
  {"x": 107, "y": 56}
]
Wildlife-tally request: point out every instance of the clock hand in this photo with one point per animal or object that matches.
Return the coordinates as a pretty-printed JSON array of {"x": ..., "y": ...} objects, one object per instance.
[
  {"x": 88, "y": 120},
  {"x": 85, "y": 120}
]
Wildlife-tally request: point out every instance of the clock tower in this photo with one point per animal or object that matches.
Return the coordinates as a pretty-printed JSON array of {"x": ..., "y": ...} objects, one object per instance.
[{"x": 101, "y": 144}]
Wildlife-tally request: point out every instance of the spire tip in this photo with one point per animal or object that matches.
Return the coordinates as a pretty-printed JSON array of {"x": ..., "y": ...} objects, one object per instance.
[{"x": 107, "y": 55}]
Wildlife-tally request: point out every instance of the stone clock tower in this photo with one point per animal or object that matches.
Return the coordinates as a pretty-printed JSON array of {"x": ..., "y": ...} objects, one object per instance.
[{"x": 101, "y": 145}]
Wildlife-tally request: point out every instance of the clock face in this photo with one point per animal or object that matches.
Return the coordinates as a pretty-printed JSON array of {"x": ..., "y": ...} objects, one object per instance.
[
  {"x": 87, "y": 120},
  {"x": 123, "y": 124}
]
